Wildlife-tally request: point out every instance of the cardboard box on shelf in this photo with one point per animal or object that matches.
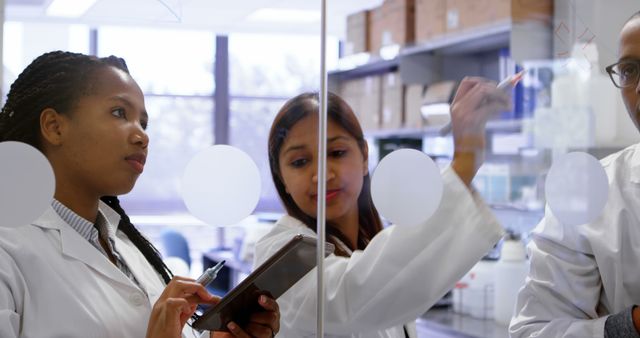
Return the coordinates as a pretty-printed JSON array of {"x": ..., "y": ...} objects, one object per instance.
[
  {"x": 392, "y": 24},
  {"x": 464, "y": 14},
  {"x": 413, "y": 97},
  {"x": 392, "y": 101},
  {"x": 376, "y": 25},
  {"x": 363, "y": 96},
  {"x": 437, "y": 99},
  {"x": 351, "y": 92},
  {"x": 430, "y": 19},
  {"x": 370, "y": 102},
  {"x": 539, "y": 10},
  {"x": 357, "y": 33}
]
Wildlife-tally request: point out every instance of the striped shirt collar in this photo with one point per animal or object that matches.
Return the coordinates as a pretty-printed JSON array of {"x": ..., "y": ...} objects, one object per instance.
[
  {"x": 90, "y": 232},
  {"x": 86, "y": 229}
]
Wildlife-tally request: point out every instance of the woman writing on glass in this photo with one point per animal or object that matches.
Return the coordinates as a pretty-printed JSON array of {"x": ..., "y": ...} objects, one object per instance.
[{"x": 380, "y": 280}]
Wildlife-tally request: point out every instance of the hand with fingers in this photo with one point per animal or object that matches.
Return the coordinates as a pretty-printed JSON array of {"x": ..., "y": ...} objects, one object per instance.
[
  {"x": 175, "y": 306},
  {"x": 262, "y": 324},
  {"x": 476, "y": 101}
]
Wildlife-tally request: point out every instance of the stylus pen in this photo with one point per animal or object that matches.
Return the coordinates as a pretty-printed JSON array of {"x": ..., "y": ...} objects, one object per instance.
[
  {"x": 505, "y": 85},
  {"x": 210, "y": 274}
]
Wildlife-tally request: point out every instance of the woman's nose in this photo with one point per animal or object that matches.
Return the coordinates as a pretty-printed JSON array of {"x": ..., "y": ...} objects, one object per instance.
[
  {"x": 330, "y": 175},
  {"x": 140, "y": 137}
]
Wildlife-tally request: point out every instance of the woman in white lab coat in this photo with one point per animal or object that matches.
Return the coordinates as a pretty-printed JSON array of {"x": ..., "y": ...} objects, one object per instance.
[
  {"x": 379, "y": 281},
  {"x": 82, "y": 269}
]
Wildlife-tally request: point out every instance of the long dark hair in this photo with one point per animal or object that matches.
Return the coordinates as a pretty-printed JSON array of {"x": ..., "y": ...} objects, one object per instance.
[
  {"x": 57, "y": 80},
  {"x": 340, "y": 113}
]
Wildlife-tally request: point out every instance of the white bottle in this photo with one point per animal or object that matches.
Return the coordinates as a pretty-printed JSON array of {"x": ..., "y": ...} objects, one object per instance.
[
  {"x": 601, "y": 96},
  {"x": 583, "y": 100},
  {"x": 510, "y": 273},
  {"x": 473, "y": 294}
]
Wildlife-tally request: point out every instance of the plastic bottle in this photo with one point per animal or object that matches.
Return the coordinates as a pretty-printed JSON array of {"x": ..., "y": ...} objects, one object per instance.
[
  {"x": 586, "y": 94},
  {"x": 473, "y": 295},
  {"x": 510, "y": 273},
  {"x": 601, "y": 97}
]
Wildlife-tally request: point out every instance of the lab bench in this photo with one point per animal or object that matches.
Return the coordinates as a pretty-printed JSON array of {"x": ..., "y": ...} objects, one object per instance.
[{"x": 444, "y": 323}]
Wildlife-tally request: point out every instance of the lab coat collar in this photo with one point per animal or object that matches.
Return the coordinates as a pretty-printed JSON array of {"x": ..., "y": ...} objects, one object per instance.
[
  {"x": 51, "y": 220},
  {"x": 73, "y": 245},
  {"x": 635, "y": 164}
]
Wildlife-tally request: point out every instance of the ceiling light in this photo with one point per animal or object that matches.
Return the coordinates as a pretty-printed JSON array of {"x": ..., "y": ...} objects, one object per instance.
[
  {"x": 69, "y": 8},
  {"x": 284, "y": 15}
]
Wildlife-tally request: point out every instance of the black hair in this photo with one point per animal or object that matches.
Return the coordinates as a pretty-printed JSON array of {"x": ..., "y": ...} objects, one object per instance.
[
  {"x": 57, "y": 80},
  {"x": 341, "y": 113}
]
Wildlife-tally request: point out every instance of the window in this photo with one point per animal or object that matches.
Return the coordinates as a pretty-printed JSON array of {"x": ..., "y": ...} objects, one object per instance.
[
  {"x": 265, "y": 71},
  {"x": 174, "y": 68},
  {"x": 24, "y": 41}
]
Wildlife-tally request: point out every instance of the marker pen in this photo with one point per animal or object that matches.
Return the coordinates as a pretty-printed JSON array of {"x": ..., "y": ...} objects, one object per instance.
[{"x": 506, "y": 85}]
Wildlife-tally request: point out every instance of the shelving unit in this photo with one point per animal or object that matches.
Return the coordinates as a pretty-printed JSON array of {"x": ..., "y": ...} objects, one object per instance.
[
  {"x": 376, "y": 66},
  {"x": 452, "y": 56},
  {"x": 503, "y": 126},
  {"x": 488, "y": 37},
  {"x": 480, "y": 51},
  {"x": 431, "y": 55}
]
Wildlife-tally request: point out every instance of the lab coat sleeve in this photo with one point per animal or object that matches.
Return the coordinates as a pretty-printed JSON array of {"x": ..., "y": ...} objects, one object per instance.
[
  {"x": 561, "y": 294},
  {"x": 9, "y": 286},
  {"x": 402, "y": 272}
]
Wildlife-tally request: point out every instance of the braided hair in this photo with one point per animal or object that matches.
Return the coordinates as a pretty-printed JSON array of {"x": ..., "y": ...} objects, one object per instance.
[{"x": 57, "y": 80}]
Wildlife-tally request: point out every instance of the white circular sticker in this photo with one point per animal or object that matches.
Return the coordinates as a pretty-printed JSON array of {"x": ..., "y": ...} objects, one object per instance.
[
  {"x": 576, "y": 188},
  {"x": 221, "y": 185},
  {"x": 406, "y": 187},
  {"x": 27, "y": 182}
]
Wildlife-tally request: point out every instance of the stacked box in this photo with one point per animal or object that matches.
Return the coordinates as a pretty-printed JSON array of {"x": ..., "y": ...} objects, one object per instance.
[
  {"x": 357, "y": 33},
  {"x": 464, "y": 14},
  {"x": 413, "y": 97},
  {"x": 393, "y": 23},
  {"x": 392, "y": 101},
  {"x": 430, "y": 19},
  {"x": 364, "y": 97}
]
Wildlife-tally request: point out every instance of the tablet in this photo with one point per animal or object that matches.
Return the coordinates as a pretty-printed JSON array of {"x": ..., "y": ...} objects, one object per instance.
[{"x": 275, "y": 276}]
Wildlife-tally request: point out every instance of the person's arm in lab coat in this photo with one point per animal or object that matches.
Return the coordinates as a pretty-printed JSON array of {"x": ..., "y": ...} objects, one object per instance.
[
  {"x": 561, "y": 294},
  {"x": 402, "y": 272},
  {"x": 10, "y": 278}
]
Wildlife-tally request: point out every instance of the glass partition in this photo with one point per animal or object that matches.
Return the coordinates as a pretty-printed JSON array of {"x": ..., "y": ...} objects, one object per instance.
[
  {"x": 458, "y": 134},
  {"x": 539, "y": 176}
]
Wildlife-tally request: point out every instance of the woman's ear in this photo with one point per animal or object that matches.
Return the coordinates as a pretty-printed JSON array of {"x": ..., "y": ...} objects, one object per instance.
[{"x": 51, "y": 126}]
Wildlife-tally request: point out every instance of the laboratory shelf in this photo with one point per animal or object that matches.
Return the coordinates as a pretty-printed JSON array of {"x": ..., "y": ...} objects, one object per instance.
[
  {"x": 476, "y": 40},
  {"x": 378, "y": 66},
  {"x": 489, "y": 37},
  {"x": 503, "y": 126}
]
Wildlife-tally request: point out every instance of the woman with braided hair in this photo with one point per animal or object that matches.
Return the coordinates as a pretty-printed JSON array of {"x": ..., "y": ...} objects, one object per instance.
[{"x": 82, "y": 269}]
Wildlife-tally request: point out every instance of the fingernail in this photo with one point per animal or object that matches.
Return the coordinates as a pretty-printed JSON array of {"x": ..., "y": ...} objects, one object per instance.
[
  {"x": 263, "y": 299},
  {"x": 232, "y": 326}
]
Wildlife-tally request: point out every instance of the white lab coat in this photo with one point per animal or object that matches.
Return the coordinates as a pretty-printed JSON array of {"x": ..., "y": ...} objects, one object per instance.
[
  {"x": 581, "y": 274},
  {"x": 54, "y": 283},
  {"x": 400, "y": 275}
]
